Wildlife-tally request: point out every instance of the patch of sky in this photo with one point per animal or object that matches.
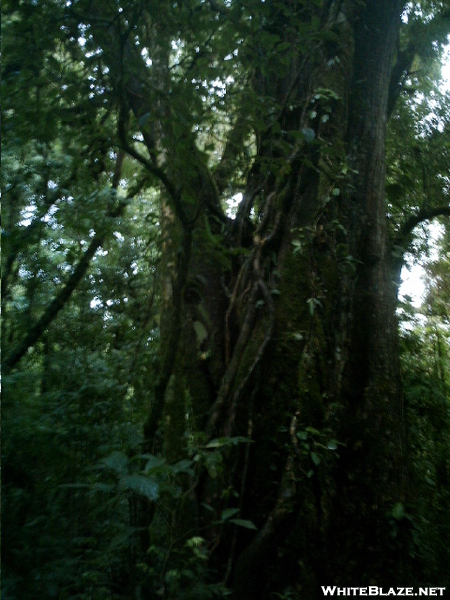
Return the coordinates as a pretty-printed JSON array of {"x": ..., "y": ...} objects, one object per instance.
[
  {"x": 27, "y": 215},
  {"x": 413, "y": 272},
  {"x": 96, "y": 303},
  {"x": 232, "y": 205},
  {"x": 146, "y": 57}
]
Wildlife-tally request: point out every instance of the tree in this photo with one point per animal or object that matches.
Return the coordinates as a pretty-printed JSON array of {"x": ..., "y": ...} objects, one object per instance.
[
  {"x": 425, "y": 337},
  {"x": 279, "y": 360}
]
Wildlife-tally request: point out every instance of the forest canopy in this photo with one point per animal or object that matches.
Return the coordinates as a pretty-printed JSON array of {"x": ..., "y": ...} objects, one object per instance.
[{"x": 210, "y": 384}]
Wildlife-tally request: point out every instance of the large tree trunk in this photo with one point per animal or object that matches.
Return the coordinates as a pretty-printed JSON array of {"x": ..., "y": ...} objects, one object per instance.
[{"x": 295, "y": 345}]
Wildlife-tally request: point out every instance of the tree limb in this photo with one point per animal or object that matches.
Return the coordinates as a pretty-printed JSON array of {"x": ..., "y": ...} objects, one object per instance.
[
  {"x": 403, "y": 65},
  {"x": 65, "y": 293},
  {"x": 55, "y": 306},
  {"x": 425, "y": 214},
  {"x": 173, "y": 192}
]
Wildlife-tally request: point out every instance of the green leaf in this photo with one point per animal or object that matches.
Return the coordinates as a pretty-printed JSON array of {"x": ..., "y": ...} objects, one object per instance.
[
  {"x": 226, "y": 441},
  {"x": 145, "y": 486},
  {"x": 227, "y": 513},
  {"x": 332, "y": 445},
  {"x": 284, "y": 46},
  {"x": 398, "y": 512},
  {"x": 315, "y": 458},
  {"x": 194, "y": 542},
  {"x": 308, "y": 134},
  {"x": 184, "y": 466},
  {"x": 244, "y": 523},
  {"x": 143, "y": 119},
  {"x": 103, "y": 487},
  {"x": 213, "y": 464},
  {"x": 120, "y": 540},
  {"x": 200, "y": 331},
  {"x": 154, "y": 462},
  {"x": 216, "y": 443},
  {"x": 313, "y": 430},
  {"x": 116, "y": 461}
]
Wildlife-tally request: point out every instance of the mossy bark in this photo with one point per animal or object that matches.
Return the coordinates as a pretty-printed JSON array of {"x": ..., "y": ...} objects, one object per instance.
[{"x": 296, "y": 346}]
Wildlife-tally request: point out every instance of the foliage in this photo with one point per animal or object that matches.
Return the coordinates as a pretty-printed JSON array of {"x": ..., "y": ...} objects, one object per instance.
[
  {"x": 425, "y": 358},
  {"x": 91, "y": 510}
]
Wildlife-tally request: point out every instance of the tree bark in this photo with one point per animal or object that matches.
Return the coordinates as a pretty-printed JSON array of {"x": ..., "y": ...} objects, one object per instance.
[
  {"x": 348, "y": 367},
  {"x": 282, "y": 328}
]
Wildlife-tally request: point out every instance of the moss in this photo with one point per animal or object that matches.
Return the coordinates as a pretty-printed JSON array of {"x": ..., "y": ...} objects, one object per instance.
[{"x": 188, "y": 396}]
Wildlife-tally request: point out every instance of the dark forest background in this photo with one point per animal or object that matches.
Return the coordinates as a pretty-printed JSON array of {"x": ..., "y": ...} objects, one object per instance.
[{"x": 152, "y": 257}]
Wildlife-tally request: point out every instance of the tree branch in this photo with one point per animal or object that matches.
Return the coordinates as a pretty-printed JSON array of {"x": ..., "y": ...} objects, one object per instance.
[
  {"x": 55, "y": 306},
  {"x": 423, "y": 215},
  {"x": 403, "y": 65},
  {"x": 173, "y": 192},
  {"x": 65, "y": 293}
]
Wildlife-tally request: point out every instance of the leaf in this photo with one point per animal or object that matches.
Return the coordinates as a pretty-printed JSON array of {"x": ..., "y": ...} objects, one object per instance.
[
  {"x": 398, "y": 512},
  {"x": 227, "y": 513},
  {"x": 201, "y": 308},
  {"x": 184, "y": 466},
  {"x": 216, "y": 443},
  {"x": 145, "y": 486},
  {"x": 194, "y": 542},
  {"x": 154, "y": 463},
  {"x": 116, "y": 461},
  {"x": 332, "y": 445},
  {"x": 308, "y": 134},
  {"x": 122, "y": 538},
  {"x": 103, "y": 487},
  {"x": 313, "y": 430},
  {"x": 75, "y": 486},
  {"x": 315, "y": 458},
  {"x": 143, "y": 119},
  {"x": 213, "y": 464},
  {"x": 284, "y": 46},
  {"x": 244, "y": 523},
  {"x": 200, "y": 331},
  {"x": 226, "y": 441}
]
